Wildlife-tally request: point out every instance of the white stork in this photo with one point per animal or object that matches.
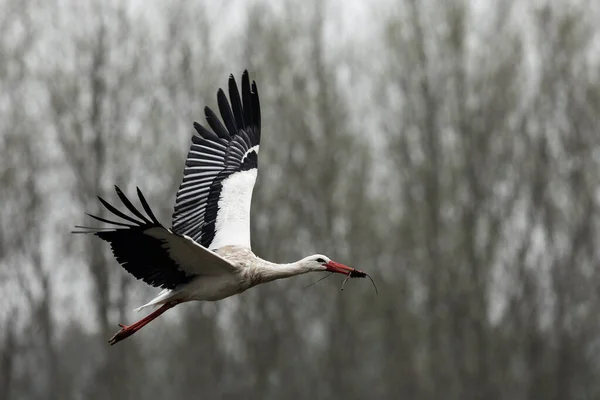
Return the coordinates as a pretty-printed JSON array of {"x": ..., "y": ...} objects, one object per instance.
[{"x": 206, "y": 255}]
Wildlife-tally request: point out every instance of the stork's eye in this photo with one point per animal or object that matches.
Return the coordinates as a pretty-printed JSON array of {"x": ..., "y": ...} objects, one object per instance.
[{"x": 320, "y": 260}]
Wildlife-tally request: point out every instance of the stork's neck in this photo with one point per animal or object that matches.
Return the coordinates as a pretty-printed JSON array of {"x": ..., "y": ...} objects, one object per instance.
[{"x": 266, "y": 271}]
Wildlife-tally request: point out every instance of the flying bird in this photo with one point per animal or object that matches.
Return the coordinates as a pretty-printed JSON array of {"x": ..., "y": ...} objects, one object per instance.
[{"x": 206, "y": 254}]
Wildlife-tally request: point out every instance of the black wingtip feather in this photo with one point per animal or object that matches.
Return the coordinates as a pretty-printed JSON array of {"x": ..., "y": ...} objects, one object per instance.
[
  {"x": 146, "y": 206},
  {"x": 92, "y": 229},
  {"x": 205, "y": 133},
  {"x": 110, "y": 222},
  {"x": 130, "y": 206},
  {"x": 226, "y": 113},
  {"x": 236, "y": 103},
  {"x": 246, "y": 100},
  {"x": 215, "y": 124},
  {"x": 255, "y": 108},
  {"x": 115, "y": 211},
  {"x": 144, "y": 220}
]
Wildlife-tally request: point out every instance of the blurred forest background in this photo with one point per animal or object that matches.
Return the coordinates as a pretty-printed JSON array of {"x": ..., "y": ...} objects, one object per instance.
[{"x": 449, "y": 148}]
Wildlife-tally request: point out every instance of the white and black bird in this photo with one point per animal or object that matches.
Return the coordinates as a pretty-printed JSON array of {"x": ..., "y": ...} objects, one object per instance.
[{"x": 206, "y": 254}]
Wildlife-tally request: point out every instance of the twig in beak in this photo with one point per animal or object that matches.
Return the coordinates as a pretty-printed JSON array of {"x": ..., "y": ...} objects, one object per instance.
[
  {"x": 373, "y": 282},
  {"x": 345, "y": 280},
  {"x": 326, "y": 276}
]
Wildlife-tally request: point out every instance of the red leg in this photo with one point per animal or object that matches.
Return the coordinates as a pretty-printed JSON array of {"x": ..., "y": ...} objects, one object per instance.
[{"x": 127, "y": 331}]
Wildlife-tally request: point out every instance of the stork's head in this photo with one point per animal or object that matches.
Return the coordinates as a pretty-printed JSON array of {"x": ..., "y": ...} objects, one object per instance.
[{"x": 319, "y": 262}]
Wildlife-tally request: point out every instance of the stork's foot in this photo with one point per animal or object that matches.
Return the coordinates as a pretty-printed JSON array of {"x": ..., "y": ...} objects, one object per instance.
[
  {"x": 124, "y": 333},
  {"x": 127, "y": 331}
]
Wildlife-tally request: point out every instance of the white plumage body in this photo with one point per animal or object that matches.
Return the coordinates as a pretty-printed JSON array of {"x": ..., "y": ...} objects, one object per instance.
[
  {"x": 247, "y": 271},
  {"x": 220, "y": 284}
]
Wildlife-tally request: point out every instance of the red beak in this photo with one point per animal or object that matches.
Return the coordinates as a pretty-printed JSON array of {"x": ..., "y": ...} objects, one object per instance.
[{"x": 333, "y": 266}]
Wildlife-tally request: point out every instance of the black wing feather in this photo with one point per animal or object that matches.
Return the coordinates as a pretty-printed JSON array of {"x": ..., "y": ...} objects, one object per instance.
[
  {"x": 205, "y": 133},
  {"x": 236, "y": 103},
  {"x": 146, "y": 206},
  {"x": 142, "y": 255},
  {"x": 255, "y": 110},
  {"x": 130, "y": 206},
  {"x": 226, "y": 113},
  {"x": 109, "y": 221},
  {"x": 118, "y": 213},
  {"x": 246, "y": 99},
  {"x": 215, "y": 124}
]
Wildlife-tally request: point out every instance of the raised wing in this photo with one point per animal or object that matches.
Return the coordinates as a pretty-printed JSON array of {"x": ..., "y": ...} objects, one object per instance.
[
  {"x": 153, "y": 253},
  {"x": 213, "y": 201}
]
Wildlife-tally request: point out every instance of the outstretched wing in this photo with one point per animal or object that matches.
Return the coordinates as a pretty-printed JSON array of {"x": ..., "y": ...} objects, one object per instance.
[
  {"x": 153, "y": 253},
  {"x": 213, "y": 201}
]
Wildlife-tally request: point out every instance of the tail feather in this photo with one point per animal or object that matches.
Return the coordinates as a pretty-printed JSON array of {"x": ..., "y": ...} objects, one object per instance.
[
  {"x": 142, "y": 307},
  {"x": 163, "y": 297}
]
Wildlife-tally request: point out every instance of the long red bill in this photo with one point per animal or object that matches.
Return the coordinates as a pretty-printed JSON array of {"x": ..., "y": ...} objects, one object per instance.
[{"x": 333, "y": 266}]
